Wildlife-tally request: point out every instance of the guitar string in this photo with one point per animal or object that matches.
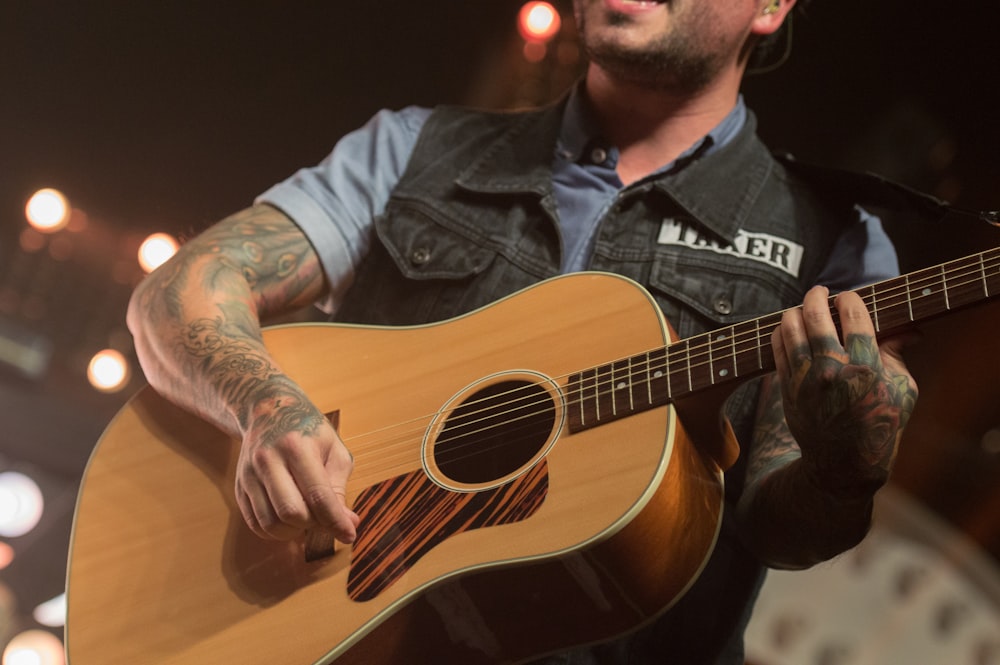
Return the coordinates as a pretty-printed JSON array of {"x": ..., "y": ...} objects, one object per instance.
[
  {"x": 507, "y": 430},
  {"x": 600, "y": 389},
  {"x": 599, "y": 386}
]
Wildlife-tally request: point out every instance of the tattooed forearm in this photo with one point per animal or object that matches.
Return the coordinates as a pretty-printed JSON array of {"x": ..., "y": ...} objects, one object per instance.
[
  {"x": 269, "y": 254},
  {"x": 196, "y": 320},
  {"x": 241, "y": 374},
  {"x": 278, "y": 408}
]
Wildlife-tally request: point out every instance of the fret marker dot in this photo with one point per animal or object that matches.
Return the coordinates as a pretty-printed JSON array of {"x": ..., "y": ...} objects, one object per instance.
[
  {"x": 657, "y": 374},
  {"x": 621, "y": 385},
  {"x": 720, "y": 338},
  {"x": 926, "y": 292},
  {"x": 723, "y": 372}
]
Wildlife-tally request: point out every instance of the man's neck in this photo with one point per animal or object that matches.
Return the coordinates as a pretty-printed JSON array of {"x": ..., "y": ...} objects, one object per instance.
[{"x": 652, "y": 127}]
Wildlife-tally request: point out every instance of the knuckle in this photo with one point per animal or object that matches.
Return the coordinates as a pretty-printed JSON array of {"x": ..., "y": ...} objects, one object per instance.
[
  {"x": 814, "y": 314},
  {"x": 261, "y": 457},
  {"x": 291, "y": 513},
  {"x": 318, "y": 495},
  {"x": 854, "y": 314},
  {"x": 288, "y": 446}
]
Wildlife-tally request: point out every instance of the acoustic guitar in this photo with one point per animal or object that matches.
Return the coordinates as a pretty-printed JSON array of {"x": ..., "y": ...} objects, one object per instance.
[{"x": 541, "y": 473}]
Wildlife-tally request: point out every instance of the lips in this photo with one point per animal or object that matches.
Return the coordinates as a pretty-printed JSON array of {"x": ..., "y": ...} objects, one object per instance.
[{"x": 633, "y": 6}]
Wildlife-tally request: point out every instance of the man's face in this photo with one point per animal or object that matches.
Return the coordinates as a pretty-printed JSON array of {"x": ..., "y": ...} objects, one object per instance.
[{"x": 669, "y": 44}]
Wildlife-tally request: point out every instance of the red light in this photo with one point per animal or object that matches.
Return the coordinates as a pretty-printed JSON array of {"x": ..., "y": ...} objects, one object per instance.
[{"x": 538, "y": 21}]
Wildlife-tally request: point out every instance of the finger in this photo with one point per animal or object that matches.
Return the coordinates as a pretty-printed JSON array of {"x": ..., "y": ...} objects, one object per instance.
[
  {"x": 278, "y": 504},
  {"x": 246, "y": 510},
  {"x": 818, "y": 321},
  {"x": 794, "y": 344},
  {"x": 854, "y": 316},
  {"x": 260, "y": 514},
  {"x": 323, "y": 487}
]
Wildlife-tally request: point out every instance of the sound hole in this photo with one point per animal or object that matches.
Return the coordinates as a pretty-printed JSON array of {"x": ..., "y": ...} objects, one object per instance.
[{"x": 495, "y": 431}]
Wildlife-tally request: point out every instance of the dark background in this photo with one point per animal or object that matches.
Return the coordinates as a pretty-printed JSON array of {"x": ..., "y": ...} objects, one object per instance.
[{"x": 169, "y": 115}]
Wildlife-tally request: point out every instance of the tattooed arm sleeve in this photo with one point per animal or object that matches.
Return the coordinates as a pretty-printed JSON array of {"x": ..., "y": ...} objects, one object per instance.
[
  {"x": 196, "y": 319},
  {"x": 196, "y": 323}
]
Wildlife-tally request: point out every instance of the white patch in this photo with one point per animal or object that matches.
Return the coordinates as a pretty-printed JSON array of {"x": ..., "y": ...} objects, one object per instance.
[{"x": 779, "y": 253}]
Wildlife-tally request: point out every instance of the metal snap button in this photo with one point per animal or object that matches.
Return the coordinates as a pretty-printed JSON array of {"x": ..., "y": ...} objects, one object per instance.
[
  {"x": 420, "y": 256},
  {"x": 723, "y": 305},
  {"x": 598, "y": 155}
]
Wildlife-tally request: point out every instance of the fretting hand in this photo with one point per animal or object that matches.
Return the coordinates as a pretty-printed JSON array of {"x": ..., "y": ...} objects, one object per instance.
[{"x": 846, "y": 398}]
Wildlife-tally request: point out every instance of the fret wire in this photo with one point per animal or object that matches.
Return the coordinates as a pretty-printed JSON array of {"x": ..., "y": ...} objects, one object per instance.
[
  {"x": 944, "y": 283},
  {"x": 711, "y": 362},
  {"x": 982, "y": 272},
  {"x": 732, "y": 345},
  {"x": 909, "y": 296},
  {"x": 631, "y": 399},
  {"x": 874, "y": 310},
  {"x": 760, "y": 358},
  {"x": 687, "y": 364},
  {"x": 597, "y": 393},
  {"x": 649, "y": 375},
  {"x": 614, "y": 392}
]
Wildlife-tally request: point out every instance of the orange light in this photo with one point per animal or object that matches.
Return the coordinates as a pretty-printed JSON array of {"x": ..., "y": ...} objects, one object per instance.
[
  {"x": 156, "y": 250},
  {"x": 47, "y": 210},
  {"x": 538, "y": 21}
]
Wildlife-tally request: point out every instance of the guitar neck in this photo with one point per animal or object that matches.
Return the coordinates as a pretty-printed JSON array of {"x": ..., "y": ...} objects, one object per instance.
[{"x": 743, "y": 350}]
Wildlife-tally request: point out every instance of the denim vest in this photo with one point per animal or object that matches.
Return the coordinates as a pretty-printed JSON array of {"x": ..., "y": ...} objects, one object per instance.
[{"x": 474, "y": 219}]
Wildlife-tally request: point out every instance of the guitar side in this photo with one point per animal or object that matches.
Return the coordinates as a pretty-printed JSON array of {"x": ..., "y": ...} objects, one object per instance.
[{"x": 613, "y": 522}]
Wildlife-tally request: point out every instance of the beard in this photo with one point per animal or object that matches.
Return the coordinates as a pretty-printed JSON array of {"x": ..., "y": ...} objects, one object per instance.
[{"x": 676, "y": 62}]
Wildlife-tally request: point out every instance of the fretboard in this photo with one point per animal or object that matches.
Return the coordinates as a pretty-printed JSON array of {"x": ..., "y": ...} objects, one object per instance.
[{"x": 743, "y": 350}]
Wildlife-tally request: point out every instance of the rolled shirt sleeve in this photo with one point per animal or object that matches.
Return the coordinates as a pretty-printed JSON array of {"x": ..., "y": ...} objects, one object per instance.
[{"x": 336, "y": 201}]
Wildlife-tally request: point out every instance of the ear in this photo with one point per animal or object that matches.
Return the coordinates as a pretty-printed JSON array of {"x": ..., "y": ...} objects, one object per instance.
[{"x": 771, "y": 16}]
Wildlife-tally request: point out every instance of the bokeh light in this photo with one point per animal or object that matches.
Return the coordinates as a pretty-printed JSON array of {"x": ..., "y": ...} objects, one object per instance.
[
  {"x": 47, "y": 210},
  {"x": 108, "y": 371},
  {"x": 538, "y": 21},
  {"x": 156, "y": 250}
]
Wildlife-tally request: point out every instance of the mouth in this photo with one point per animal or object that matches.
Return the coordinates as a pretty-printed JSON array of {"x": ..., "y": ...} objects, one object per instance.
[{"x": 633, "y": 6}]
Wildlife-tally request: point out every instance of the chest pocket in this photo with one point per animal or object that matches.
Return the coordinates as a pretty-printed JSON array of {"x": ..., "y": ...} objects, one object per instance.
[
  {"x": 702, "y": 290},
  {"x": 428, "y": 248}
]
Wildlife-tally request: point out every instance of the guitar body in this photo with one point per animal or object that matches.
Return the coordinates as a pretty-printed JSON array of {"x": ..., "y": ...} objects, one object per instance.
[{"x": 572, "y": 538}]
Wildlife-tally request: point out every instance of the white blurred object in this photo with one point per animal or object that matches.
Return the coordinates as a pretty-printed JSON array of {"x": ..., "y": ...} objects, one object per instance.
[
  {"x": 915, "y": 592},
  {"x": 21, "y": 504}
]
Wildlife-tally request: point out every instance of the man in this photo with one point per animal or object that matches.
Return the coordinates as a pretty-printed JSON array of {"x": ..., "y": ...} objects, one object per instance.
[{"x": 649, "y": 168}]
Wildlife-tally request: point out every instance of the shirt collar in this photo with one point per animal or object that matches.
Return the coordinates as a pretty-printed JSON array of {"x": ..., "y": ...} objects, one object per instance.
[{"x": 579, "y": 132}]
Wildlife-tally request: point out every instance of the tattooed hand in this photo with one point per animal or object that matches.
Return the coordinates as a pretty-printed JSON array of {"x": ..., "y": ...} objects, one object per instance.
[
  {"x": 293, "y": 469},
  {"x": 846, "y": 400}
]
